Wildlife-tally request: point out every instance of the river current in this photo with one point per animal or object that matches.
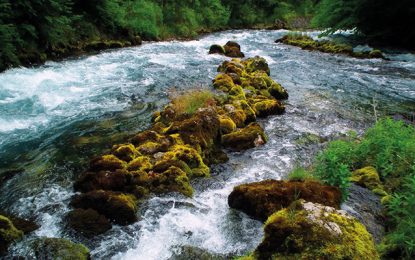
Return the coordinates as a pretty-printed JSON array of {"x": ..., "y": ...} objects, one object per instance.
[{"x": 55, "y": 117}]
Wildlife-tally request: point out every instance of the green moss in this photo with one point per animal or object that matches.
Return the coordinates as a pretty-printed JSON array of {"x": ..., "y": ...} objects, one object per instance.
[
  {"x": 125, "y": 152},
  {"x": 237, "y": 93},
  {"x": 141, "y": 163},
  {"x": 311, "y": 231},
  {"x": 367, "y": 177},
  {"x": 307, "y": 43},
  {"x": 226, "y": 125},
  {"x": 223, "y": 82},
  {"x": 216, "y": 49},
  {"x": 59, "y": 248},
  {"x": 107, "y": 162},
  {"x": 268, "y": 107},
  {"x": 244, "y": 138},
  {"x": 173, "y": 179},
  {"x": 191, "y": 157},
  {"x": 8, "y": 233},
  {"x": 256, "y": 64},
  {"x": 277, "y": 91}
]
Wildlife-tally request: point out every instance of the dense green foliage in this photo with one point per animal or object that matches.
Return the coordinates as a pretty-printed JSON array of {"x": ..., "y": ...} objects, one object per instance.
[
  {"x": 380, "y": 20},
  {"x": 32, "y": 31},
  {"x": 389, "y": 146}
]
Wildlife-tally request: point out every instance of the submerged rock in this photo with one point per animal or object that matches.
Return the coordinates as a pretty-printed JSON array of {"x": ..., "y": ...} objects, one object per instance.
[
  {"x": 261, "y": 199},
  {"x": 59, "y": 248},
  {"x": 195, "y": 253},
  {"x": 88, "y": 222},
  {"x": 308, "y": 230},
  {"x": 8, "y": 234}
]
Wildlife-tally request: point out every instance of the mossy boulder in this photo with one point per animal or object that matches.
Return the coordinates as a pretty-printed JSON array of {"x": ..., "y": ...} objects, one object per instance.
[
  {"x": 8, "y": 234},
  {"x": 190, "y": 157},
  {"x": 307, "y": 43},
  {"x": 23, "y": 224},
  {"x": 173, "y": 179},
  {"x": 223, "y": 82},
  {"x": 233, "y": 49},
  {"x": 116, "y": 180},
  {"x": 261, "y": 199},
  {"x": 125, "y": 152},
  {"x": 245, "y": 138},
  {"x": 264, "y": 108},
  {"x": 308, "y": 230},
  {"x": 226, "y": 125},
  {"x": 107, "y": 162},
  {"x": 256, "y": 64},
  {"x": 217, "y": 49},
  {"x": 59, "y": 248},
  {"x": 368, "y": 177},
  {"x": 88, "y": 222},
  {"x": 118, "y": 207},
  {"x": 277, "y": 91}
]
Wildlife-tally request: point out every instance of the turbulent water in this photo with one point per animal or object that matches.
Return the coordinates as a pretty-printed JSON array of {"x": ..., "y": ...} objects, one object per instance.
[{"x": 55, "y": 117}]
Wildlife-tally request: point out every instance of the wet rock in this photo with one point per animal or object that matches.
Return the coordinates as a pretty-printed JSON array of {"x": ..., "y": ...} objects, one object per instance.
[
  {"x": 10, "y": 173},
  {"x": 364, "y": 205},
  {"x": 107, "y": 162},
  {"x": 309, "y": 230},
  {"x": 118, "y": 207},
  {"x": 25, "y": 225},
  {"x": 261, "y": 199},
  {"x": 88, "y": 222},
  {"x": 195, "y": 253},
  {"x": 233, "y": 49},
  {"x": 268, "y": 107},
  {"x": 125, "y": 152},
  {"x": 307, "y": 43},
  {"x": 217, "y": 49},
  {"x": 256, "y": 64},
  {"x": 244, "y": 138},
  {"x": 8, "y": 234},
  {"x": 59, "y": 248},
  {"x": 117, "y": 180}
]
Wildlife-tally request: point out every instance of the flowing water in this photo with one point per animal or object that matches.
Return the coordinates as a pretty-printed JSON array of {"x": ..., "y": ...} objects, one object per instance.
[{"x": 55, "y": 117}]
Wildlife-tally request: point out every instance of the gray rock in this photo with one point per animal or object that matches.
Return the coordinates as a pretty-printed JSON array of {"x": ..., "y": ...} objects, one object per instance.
[{"x": 364, "y": 205}]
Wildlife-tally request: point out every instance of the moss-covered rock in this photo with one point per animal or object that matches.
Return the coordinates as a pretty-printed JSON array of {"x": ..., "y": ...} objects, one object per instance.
[
  {"x": 268, "y": 107},
  {"x": 107, "y": 162},
  {"x": 59, "y": 248},
  {"x": 116, "y": 180},
  {"x": 307, "y": 43},
  {"x": 118, "y": 207},
  {"x": 277, "y": 91},
  {"x": 173, "y": 179},
  {"x": 8, "y": 234},
  {"x": 88, "y": 222},
  {"x": 256, "y": 64},
  {"x": 368, "y": 177},
  {"x": 307, "y": 230},
  {"x": 244, "y": 138},
  {"x": 233, "y": 49},
  {"x": 261, "y": 199},
  {"x": 141, "y": 163},
  {"x": 125, "y": 152},
  {"x": 217, "y": 49},
  {"x": 223, "y": 82},
  {"x": 226, "y": 125}
]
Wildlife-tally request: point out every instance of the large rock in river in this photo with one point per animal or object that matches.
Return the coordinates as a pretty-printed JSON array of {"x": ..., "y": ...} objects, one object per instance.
[
  {"x": 261, "y": 199},
  {"x": 308, "y": 230}
]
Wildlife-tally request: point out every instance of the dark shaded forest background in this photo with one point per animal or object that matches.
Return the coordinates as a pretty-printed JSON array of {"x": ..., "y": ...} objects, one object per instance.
[{"x": 32, "y": 31}]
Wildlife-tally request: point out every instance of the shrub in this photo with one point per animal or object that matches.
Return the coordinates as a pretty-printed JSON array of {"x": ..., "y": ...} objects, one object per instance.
[{"x": 301, "y": 174}]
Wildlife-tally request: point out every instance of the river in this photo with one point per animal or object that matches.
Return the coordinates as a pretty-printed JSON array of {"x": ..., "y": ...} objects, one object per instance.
[{"x": 55, "y": 117}]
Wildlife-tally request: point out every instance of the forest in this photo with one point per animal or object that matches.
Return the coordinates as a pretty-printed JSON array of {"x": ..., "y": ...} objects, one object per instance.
[{"x": 32, "y": 31}]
